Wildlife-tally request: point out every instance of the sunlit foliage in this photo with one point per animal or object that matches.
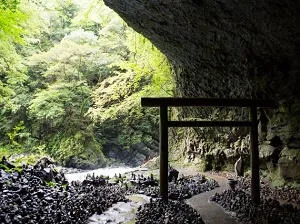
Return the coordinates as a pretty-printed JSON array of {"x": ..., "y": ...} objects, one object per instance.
[{"x": 71, "y": 79}]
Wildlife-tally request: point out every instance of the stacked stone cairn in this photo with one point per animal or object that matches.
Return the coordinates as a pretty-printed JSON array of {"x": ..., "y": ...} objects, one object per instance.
[
  {"x": 175, "y": 210},
  {"x": 167, "y": 212},
  {"x": 42, "y": 195},
  {"x": 278, "y": 205}
]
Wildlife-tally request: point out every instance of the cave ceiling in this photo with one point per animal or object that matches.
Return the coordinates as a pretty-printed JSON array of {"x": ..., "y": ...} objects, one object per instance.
[{"x": 220, "y": 39}]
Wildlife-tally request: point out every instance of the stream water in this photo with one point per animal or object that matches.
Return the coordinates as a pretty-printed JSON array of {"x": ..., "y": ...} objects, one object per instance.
[
  {"x": 121, "y": 212},
  {"x": 109, "y": 171}
]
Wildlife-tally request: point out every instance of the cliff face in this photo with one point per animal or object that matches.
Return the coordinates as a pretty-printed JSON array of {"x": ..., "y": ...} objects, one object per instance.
[{"x": 230, "y": 49}]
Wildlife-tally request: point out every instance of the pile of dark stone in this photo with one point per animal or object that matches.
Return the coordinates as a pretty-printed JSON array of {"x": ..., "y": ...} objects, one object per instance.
[
  {"x": 286, "y": 193},
  {"x": 93, "y": 180},
  {"x": 141, "y": 180},
  {"x": 175, "y": 210},
  {"x": 186, "y": 187},
  {"x": 142, "y": 184},
  {"x": 162, "y": 212},
  {"x": 269, "y": 210},
  {"x": 179, "y": 189},
  {"x": 40, "y": 194}
]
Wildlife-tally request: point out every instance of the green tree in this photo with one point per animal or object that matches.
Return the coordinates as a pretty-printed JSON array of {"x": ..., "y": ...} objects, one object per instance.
[
  {"x": 71, "y": 77},
  {"x": 11, "y": 69},
  {"x": 116, "y": 102}
]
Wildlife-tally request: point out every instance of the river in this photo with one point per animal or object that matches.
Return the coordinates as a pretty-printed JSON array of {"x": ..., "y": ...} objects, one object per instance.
[
  {"x": 121, "y": 212},
  {"x": 108, "y": 171}
]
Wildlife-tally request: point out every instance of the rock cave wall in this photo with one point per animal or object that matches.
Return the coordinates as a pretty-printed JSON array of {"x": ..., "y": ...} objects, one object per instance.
[{"x": 230, "y": 49}]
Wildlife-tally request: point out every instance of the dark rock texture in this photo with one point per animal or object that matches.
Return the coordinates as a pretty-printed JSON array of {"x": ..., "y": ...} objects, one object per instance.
[
  {"x": 285, "y": 194},
  {"x": 230, "y": 49},
  {"x": 183, "y": 188},
  {"x": 43, "y": 196},
  {"x": 138, "y": 154},
  {"x": 269, "y": 211},
  {"x": 162, "y": 212},
  {"x": 217, "y": 41}
]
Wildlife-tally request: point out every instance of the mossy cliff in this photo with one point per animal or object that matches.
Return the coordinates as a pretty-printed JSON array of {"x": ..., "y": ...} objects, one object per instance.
[{"x": 230, "y": 49}]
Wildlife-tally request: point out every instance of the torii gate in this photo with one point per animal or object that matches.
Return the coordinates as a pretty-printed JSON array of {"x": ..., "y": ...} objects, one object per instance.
[{"x": 164, "y": 102}]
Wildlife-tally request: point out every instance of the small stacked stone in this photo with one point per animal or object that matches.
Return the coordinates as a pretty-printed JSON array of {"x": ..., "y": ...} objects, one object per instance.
[
  {"x": 269, "y": 211},
  {"x": 286, "y": 193},
  {"x": 39, "y": 195},
  {"x": 162, "y": 212},
  {"x": 183, "y": 188}
]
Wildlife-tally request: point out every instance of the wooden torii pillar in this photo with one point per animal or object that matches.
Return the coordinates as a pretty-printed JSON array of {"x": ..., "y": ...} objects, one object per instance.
[{"x": 164, "y": 102}]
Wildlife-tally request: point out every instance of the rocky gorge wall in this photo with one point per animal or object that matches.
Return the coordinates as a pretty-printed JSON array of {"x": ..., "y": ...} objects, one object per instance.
[{"x": 230, "y": 49}]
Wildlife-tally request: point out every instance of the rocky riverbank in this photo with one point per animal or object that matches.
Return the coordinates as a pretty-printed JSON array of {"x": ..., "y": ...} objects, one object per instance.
[{"x": 42, "y": 195}]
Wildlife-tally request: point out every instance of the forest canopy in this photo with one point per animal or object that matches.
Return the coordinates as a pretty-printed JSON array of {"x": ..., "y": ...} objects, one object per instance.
[{"x": 71, "y": 76}]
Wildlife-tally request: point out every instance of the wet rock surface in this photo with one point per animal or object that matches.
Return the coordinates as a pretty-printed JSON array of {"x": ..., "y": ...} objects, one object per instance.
[
  {"x": 160, "y": 211},
  {"x": 239, "y": 203},
  {"x": 35, "y": 195}
]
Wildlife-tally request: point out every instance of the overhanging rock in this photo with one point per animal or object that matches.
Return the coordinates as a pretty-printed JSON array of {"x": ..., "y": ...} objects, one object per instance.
[
  {"x": 230, "y": 41},
  {"x": 228, "y": 49}
]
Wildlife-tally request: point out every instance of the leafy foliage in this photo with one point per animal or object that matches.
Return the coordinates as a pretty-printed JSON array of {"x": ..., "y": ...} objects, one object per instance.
[
  {"x": 11, "y": 30},
  {"x": 117, "y": 99},
  {"x": 58, "y": 102},
  {"x": 71, "y": 80}
]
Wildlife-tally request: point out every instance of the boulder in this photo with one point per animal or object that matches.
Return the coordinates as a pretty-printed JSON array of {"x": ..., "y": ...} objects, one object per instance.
[
  {"x": 43, "y": 163},
  {"x": 266, "y": 151},
  {"x": 289, "y": 164}
]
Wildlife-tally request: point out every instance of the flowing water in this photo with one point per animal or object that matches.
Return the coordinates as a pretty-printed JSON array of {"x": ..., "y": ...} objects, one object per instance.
[
  {"x": 108, "y": 171},
  {"x": 121, "y": 212}
]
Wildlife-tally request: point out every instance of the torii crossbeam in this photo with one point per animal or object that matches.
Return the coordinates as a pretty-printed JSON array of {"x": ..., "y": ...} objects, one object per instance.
[{"x": 164, "y": 102}]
